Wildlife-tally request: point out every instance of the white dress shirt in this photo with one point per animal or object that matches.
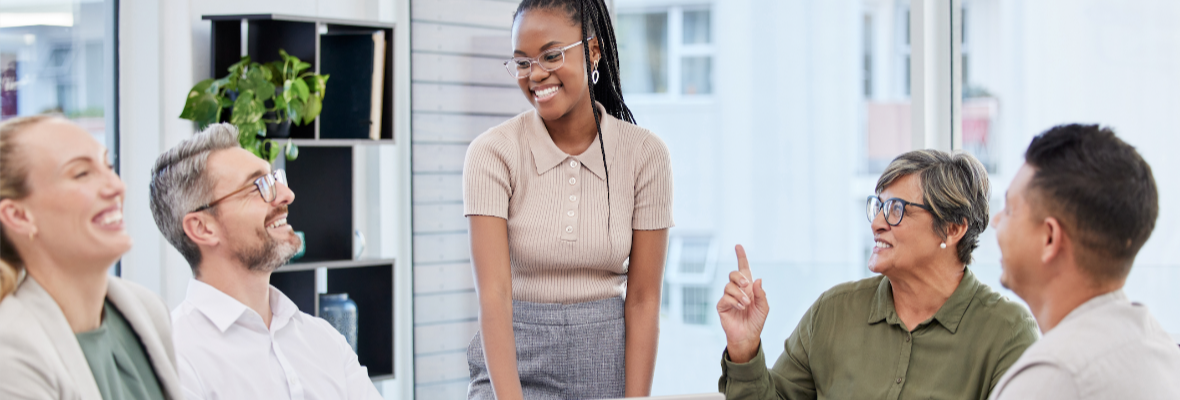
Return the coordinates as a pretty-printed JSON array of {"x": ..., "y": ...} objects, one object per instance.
[
  {"x": 1107, "y": 348},
  {"x": 225, "y": 351}
]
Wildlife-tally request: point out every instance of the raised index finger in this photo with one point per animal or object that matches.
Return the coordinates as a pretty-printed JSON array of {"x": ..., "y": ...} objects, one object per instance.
[{"x": 743, "y": 264}]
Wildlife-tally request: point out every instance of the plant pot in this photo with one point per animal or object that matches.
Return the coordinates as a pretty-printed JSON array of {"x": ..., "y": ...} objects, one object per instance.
[{"x": 279, "y": 130}]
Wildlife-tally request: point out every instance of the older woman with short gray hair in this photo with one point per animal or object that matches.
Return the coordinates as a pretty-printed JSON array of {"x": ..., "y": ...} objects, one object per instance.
[{"x": 925, "y": 327}]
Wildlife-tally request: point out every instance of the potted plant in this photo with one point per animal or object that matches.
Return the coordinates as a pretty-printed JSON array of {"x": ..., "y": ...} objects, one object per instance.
[{"x": 264, "y": 99}]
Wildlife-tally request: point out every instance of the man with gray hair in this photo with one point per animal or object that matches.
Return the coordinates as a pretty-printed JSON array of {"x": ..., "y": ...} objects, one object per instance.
[{"x": 236, "y": 336}]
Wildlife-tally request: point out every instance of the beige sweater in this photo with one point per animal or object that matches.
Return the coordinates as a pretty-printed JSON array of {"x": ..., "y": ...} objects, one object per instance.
[{"x": 556, "y": 204}]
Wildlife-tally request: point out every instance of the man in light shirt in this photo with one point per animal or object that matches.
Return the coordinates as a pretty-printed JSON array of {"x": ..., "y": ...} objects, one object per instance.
[
  {"x": 1076, "y": 214},
  {"x": 236, "y": 336}
]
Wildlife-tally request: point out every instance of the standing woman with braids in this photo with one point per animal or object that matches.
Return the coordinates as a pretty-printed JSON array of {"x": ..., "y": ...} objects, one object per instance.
[{"x": 569, "y": 206}]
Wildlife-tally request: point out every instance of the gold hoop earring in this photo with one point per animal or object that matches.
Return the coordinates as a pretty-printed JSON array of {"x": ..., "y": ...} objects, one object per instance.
[{"x": 31, "y": 234}]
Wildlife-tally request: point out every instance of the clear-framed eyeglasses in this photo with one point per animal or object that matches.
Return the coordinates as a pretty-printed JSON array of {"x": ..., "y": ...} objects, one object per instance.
[
  {"x": 550, "y": 60},
  {"x": 894, "y": 209},
  {"x": 267, "y": 186}
]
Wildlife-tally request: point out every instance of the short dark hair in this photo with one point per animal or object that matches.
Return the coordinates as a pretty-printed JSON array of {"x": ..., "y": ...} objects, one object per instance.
[{"x": 1100, "y": 189}]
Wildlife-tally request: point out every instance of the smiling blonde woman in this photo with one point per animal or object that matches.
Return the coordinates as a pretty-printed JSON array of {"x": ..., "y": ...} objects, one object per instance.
[{"x": 67, "y": 329}]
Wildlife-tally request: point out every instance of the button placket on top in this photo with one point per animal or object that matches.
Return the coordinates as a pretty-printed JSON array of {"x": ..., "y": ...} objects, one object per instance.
[
  {"x": 903, "y": 362},
  {"x": 573, "y": 192}
]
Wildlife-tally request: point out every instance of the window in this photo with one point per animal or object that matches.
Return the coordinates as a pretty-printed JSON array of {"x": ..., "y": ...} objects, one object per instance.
[
  {"x": 887, "y": 128},
  {"x": 1122, "y": 76},
  {"x": 59, "y": 57},
  {"x": 666, "y": 52},
  {"x": 691, "y": 268},
  {"x": 697, "y": 300}
]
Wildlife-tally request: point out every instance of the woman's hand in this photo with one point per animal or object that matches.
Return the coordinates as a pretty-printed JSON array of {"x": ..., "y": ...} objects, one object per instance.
[{"x": 743, "y": 310}]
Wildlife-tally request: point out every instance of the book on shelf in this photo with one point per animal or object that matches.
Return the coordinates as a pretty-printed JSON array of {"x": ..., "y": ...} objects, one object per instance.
[{"x": 353, "y": 102}]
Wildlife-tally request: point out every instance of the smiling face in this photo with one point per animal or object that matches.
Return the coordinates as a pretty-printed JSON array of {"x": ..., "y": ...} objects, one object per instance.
[
  {"x": 75, "y": 198},
  {"x": 1019, "y": 236},
  {"x": 256, "y": 231},
  {"x": 910, "y": 243},
  {"x": 554, "y": 94}
]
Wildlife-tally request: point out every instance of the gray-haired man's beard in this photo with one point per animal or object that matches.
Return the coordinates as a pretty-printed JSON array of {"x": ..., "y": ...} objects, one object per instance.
[{"x": 269, "y": 255}]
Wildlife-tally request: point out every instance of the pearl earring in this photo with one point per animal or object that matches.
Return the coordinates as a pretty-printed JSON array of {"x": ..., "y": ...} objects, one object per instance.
[{"x": 943, "y": 245}]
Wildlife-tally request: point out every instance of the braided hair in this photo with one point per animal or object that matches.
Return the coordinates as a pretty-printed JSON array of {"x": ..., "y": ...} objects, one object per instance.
[{"x": 594, "y": 18}]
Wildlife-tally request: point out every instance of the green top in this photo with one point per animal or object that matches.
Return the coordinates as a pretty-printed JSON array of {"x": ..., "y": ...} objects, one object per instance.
[
  {"x": 852, "y": 345},
  {"x": 117, "y": 359}
]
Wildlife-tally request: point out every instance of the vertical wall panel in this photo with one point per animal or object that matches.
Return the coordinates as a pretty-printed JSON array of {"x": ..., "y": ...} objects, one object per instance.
[{"x": 460, "y": 89}]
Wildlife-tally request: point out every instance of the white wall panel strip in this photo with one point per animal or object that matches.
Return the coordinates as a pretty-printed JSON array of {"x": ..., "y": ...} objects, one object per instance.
[
  {"x": 492, "y": 14},
  {"x": 443, "y": 278},
  {"x": 448, "y": 247},
  {"x": 450, "y": 307},
  {"x": 452, "y": 39},
  {"x": 452, "y": 128},
  {"x": 438, "y": 188},
  {"x": 439, "y": 157},
  {"x": 468, "y": 69},
  {"x": 444, "y": 337},
  {"x": 460, "y": 99},
  {"x": 438, "y": 218}
]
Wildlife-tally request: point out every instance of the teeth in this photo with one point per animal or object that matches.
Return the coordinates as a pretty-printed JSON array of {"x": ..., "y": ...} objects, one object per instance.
[
  {"x": 883, "y": 245},
  {"x": 546, "y": 92},
  {"x": 112, "y": 217},
  {"x": 276, "y": 224}
]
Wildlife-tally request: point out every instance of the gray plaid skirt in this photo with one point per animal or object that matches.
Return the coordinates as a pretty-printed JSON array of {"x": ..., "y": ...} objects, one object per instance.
[{"x": 563, "y": 351}]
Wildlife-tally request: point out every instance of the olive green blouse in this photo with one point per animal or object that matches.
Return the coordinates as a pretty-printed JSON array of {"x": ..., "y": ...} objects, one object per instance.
[
  {"x": 117, "y": 359},
  {"x": 852, "y": 345}
]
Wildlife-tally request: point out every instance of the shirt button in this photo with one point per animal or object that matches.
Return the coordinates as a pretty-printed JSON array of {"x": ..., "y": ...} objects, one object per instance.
[
  {"x": 569, "y": 229},
  {"x": 899, "y": 381},
  {"x": 570, "y": 213},
  {"x": 573, "y": 198},
  {"x": 573, "y": 181},
  {"x": 907, "y": 339},
  {"x": 573, "y": 164}
]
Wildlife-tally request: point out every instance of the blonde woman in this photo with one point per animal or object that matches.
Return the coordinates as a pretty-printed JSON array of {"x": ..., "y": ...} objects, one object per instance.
[{"x": 67, "y": 329}]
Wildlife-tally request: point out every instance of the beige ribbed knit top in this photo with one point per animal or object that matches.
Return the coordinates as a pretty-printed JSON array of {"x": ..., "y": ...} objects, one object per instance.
[{"x": 556, "y": 204}]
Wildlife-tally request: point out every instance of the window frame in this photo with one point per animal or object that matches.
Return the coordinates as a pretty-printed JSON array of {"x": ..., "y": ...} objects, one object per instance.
[{"x": 676, "y": 52}]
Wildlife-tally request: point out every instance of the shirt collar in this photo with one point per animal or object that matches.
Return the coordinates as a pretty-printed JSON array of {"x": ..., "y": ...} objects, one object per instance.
[
  {"x": 949, "y": 315},
  {"x": 224, "y": 310},
  {"x": 1097, "y": 301},
  {"x": 547, "y": 155}
]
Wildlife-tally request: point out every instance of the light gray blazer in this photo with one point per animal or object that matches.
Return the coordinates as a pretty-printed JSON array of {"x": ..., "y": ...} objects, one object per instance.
[{"x": 40, "y": 357}]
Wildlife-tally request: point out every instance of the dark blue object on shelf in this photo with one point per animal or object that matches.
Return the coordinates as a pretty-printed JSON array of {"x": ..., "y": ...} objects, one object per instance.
[{"x": 340, "y": 311}]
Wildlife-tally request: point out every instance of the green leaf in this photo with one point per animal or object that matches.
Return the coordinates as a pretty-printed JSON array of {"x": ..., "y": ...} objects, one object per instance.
[
  {"x": 247, "y": 137},
  {"x": 194, "y": 94},
  {"x": 236, "y": 68},
  {"x": 246, "y": 109},
  {"x": 224, "y": 102},
  {"x": 300, "y": 89},
  {"x": 302, "y": 65},
  {"x": 295, "y": 110},
  {"x": 320, "y": 84},
  {"x": 206, "y": 110},
  {"x": 291, "y": 150},
  {"x": 312, "y": 109}
]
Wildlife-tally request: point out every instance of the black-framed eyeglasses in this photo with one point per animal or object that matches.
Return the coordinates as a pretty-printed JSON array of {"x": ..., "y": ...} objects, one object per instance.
[
  {"x": 267, "y": 186},
  {"x": 550, "y": 60},
  {"x": 894, "y": 209}
]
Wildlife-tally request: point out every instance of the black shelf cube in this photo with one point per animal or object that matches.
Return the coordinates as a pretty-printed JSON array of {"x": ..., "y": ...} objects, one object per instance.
[{"x": 322, "y": 181}]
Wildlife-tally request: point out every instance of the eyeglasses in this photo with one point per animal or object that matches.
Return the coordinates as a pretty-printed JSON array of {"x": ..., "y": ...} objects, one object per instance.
[
  {"x": 265, "y": 184},
  {"x": 550, "y": 60},
  {"x": 894, "y": 209}
]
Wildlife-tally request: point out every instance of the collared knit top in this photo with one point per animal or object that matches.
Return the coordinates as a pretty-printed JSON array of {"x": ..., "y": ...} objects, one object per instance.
[{"x": 556, "y": 204}]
